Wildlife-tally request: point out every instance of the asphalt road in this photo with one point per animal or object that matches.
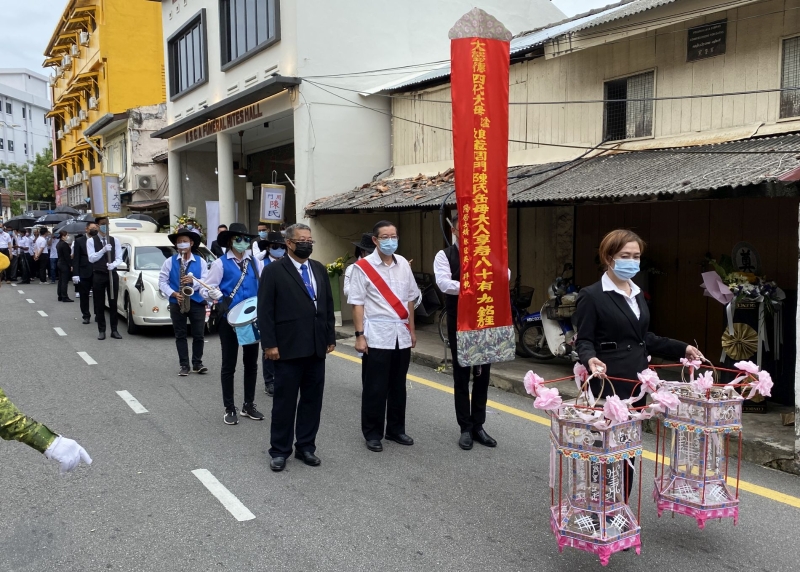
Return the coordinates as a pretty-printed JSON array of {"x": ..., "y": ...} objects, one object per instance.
[{"x": 426, "y": 507}]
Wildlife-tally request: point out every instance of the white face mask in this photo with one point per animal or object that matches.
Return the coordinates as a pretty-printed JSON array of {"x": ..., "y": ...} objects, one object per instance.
[{"x": 184, "y": 245}]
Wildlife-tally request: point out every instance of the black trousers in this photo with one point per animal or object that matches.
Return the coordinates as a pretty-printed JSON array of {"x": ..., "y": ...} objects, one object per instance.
[
  {"x": 83, "y": 288},
  {"x": 383, "y": 400},
  {"x": 64, "y": 278},
  {"x": 100, "y": 289},
  {"x": 230, "y": 354},
  {"x": 6, "y": 274},
  {"x": 470, "y": 415},
  {"x": 268, "y": 369},
  {"x": 12, "y": 270},
  {"x": 197, "y": 322},
  {"x": 293, "y": 418},
  {"x": 44, "y": 265},
  {"x": 33, "y": 268}
]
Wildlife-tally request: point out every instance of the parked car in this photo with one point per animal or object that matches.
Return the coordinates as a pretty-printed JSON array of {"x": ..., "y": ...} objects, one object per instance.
[{"x": 139, "y": 299}]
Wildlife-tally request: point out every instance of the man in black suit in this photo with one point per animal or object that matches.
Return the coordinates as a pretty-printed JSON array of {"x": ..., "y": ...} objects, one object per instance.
[
  {"x": 295, "y": 292},
  {"x": 82, "y": 270},
  {"x": 216, "y": 249}
]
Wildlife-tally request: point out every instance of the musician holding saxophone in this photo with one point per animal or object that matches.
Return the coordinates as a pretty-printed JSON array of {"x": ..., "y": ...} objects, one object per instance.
[{"x": 178, "y": 281}]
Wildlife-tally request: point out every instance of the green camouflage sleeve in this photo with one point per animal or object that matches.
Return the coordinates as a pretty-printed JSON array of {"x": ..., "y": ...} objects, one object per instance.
[{"x": 15, "y": 425}]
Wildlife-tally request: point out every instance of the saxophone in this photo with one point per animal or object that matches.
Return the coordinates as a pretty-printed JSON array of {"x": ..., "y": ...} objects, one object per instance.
[{"x": 186, "y": 290}]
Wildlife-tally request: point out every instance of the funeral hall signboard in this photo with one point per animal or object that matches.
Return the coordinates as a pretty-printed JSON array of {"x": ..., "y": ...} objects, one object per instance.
[{"x": 706, "y": 41}]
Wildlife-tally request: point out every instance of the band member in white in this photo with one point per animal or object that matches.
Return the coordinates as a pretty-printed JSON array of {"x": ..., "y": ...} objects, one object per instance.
[
  {"x": 105, "y": 281},
  {"x": 383, "y": 292},
  {"x": 178, "y": 273},
  {"x": 233, "y": 279}
]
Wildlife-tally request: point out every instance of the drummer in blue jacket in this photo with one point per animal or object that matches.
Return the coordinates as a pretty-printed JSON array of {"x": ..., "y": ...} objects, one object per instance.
[
  {"x": 233, "y": 279},
  {"x": 270, "y": 247},
  {"x": 178, "y": 272}
]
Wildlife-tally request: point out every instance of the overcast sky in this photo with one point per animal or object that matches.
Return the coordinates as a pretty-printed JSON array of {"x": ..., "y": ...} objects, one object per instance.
[{"x": 28, "y": 25}]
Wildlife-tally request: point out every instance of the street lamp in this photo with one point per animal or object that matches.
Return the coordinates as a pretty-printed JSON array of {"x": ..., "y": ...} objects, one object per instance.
[{"x": 25, "y": 174}]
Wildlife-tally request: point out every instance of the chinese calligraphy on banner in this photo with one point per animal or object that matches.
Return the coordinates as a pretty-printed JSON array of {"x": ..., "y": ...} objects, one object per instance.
[
  {"x": 105, "y": 195},
  {"x": 272, "y": 203},
  {"x": 479, "y": 63}
]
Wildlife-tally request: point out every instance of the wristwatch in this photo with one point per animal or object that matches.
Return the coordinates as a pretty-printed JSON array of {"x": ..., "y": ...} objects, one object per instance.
[{"x": 359, "y": 333}]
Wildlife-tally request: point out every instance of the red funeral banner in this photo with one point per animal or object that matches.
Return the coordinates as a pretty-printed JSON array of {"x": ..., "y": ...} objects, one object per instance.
[{"x": 479, "y": 76}]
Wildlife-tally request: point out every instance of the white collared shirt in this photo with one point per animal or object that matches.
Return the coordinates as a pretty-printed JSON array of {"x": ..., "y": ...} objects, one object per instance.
[
  {"x": 310, "y": 275},
  {"x": 166, "y": 269},
  {"x": 95, "y": 256},
  {"x": 383, "y": 327},
  {"x": 444, "y": 276},
  {"x": 609, "y": 286},
  {"x": 214, "y": 276},
  {"x": 5, "y": 239},
  {"x": 40, "y": 246}
]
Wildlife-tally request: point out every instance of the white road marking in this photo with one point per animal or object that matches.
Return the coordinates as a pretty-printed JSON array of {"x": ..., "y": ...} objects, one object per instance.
[
  {"x": 42, "y": 314},
  {"x": 226, "y": 497},
  {"x": 87, "y": 358},
  {"x": 31, "y": 301},
  {"x": 132, "y": 402},
  {"x": 60, "y": 332},
  {"x": 21, "y": 291}
]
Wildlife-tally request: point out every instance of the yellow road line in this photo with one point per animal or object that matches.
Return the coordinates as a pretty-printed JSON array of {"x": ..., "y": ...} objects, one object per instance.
[{"x": 743, "y": 485}]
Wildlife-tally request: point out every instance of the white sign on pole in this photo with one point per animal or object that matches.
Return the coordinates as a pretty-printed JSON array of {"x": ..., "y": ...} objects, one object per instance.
[
  {"x": 191, "y": 212},
  {"x": 273, "y": 198},
  {"x": 104, "y": 195}
]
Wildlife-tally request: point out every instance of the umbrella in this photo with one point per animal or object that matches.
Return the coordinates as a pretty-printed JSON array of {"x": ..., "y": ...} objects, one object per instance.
[
  {"x": 85, "y": 217},
  {"x": 148, "y": 218},
  {"x": 19, "y": 222},
  {"x": 68, "y": 210},
  {"x": 35, "y": 214},
  {"x": 72, "y": 227},
  {"x": 53, "y": 218}
]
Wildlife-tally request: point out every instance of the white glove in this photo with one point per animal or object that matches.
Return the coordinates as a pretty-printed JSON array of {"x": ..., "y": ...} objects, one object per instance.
[
  {"x": 68, "y": 453},
  {"x": 76, "y": 279},
  {"x": 111, "y": 265},
  {"x": 215, "y": 293},
  {"x": 108, "y": 248}
]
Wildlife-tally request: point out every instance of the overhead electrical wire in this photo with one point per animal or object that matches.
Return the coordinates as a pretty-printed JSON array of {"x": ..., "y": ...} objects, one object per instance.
[{"x": 563, "y": 145}]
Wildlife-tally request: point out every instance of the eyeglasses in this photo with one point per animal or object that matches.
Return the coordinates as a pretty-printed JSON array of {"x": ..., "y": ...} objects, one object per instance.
[
  {"x": 309, "y": 241},
  {"x": 240, "y": 239}
]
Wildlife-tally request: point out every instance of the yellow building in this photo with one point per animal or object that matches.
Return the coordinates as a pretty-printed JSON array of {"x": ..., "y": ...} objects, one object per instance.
[{"x": 106, "y": 57}]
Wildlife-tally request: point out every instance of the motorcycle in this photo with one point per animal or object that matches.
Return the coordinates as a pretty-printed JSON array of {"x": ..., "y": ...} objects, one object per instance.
[{"x": 549, "y": 333}]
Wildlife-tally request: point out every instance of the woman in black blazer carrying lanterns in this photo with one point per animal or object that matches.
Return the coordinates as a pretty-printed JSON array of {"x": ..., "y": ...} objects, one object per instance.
[{"x": 613, "y": 322}]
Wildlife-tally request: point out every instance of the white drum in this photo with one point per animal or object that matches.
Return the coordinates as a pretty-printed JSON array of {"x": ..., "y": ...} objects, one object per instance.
[{"x": 243, "y": 317}]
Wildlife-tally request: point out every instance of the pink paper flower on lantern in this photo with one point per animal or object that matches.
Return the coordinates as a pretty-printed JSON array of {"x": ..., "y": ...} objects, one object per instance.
[
  {"x": 615, "y": 410},
  {"x": 764, "y": 384},
  {"x": 649, "y": 379},
  {"x": 581, "y": 373},
  {"x": 663, "y": 400},
  {"x": 747, "y": 366},
  {"x": 703, "y": 383},
  {"x": 548, "y": 399},
  {"x": 533, "y": 383}
]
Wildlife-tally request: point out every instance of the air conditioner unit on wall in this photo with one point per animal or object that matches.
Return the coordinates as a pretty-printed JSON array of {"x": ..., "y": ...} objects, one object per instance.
[
  {"x": 74, "y": 50},
  {"x": 62, "y": 183},
  {"x": 145, "y": 182},
  {"x": 92, "y": 103},
  {"x": 59, "y": 134},
  {"x": 85, "y": 174},
  {"x": 76, "y": 122},
  {"x": 83, "y": 115},
  {"x": 67, "y": 128},
  {"x": 57, "y": 71},
  {"x": 66, "y": 61},
  {"x": 84, "y": 38}
]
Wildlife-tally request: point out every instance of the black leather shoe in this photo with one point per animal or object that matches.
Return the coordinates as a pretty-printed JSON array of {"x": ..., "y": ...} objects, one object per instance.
[
  {"x": 308, "y": 458},
  {"x": 401, "y": 439},
  {"x": 269, "y": 389},
  {"x": 115, "y": 335},
  {"x": 86, "y": 320},
  {"x": 67, "y": 300},
  {"x": 482, "y": 437},
  {"x": 465, "y": 442},
  {"x": 375, "y": 445},
  {"x": 277, "y": 464},
  {"x": 101, "y": 336}
]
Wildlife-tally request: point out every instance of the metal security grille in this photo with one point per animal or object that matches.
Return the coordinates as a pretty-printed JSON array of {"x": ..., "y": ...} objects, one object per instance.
[
  {"x": 790, "y": 77},
  {"x": 247, "y": 25},
  {"x": 629, "y": 119}
]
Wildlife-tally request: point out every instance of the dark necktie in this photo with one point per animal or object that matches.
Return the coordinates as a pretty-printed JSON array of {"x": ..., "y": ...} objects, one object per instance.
[{"x": 307, "y": 281}]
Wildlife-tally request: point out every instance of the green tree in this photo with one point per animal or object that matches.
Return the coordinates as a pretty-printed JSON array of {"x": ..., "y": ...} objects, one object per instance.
[{"x": 40, "y": 177}]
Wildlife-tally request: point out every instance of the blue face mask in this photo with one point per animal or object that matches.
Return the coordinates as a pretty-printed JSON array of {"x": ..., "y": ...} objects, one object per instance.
[
  {"x": 277, "y": 252},
  {"x": 262, "y": 234},
  {"x": 104, "y": 228},
  {"x": 189, "y": 226},
  {"x": 388, "y": 246},
  {"x": 240, "y": 246},
  {"x": 625, "y": 268}
]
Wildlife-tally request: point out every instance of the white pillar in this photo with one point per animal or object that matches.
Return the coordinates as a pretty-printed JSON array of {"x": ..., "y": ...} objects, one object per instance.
[
  {"x": 175, "y": 186},
  {"x": 225, "y": 178}
]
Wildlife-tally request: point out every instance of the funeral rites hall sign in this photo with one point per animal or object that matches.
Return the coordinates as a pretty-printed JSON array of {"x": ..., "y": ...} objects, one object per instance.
[
  {"x": 706, "y": 41},
  {"x": 229, "y": 121},
  {"x": 480, "y": 61}
]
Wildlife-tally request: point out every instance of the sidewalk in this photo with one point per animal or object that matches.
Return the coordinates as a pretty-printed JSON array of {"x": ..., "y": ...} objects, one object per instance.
[{"x": 766, "y": 441}]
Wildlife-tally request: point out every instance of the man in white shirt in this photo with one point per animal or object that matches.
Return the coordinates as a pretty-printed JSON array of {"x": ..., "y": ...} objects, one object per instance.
[
  {"x": 25, "y": 258},
  {"x": 382, "y": 292},
  {"x": 52, "y": 244},
  {"x": 105, "y": 281},
  {"x": 11, "y": 273},
  {"x": 5, "y": 248},
  {"x": 470, "y": 414},
  {"x": 40, "y": 256}
]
